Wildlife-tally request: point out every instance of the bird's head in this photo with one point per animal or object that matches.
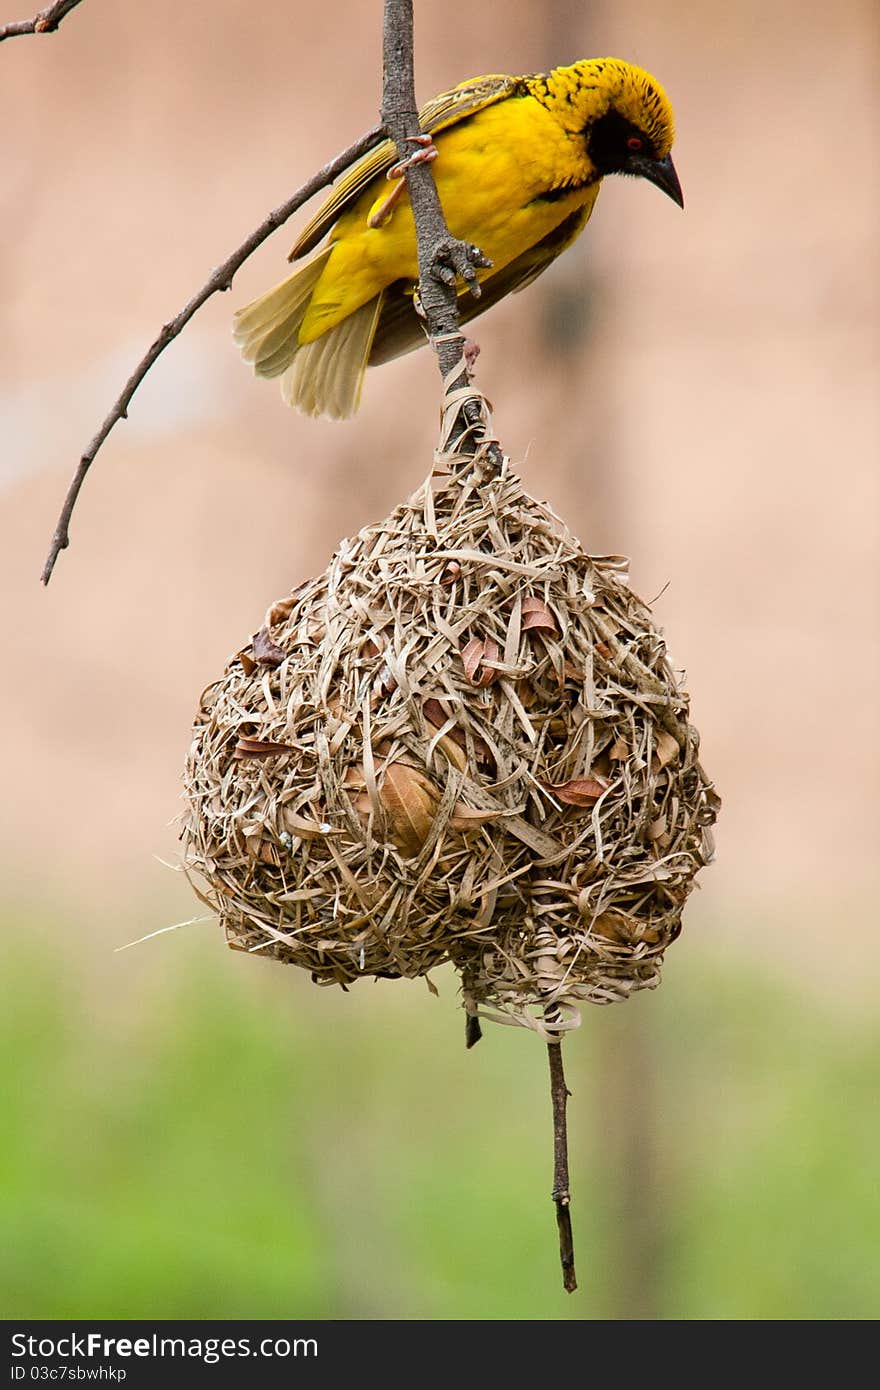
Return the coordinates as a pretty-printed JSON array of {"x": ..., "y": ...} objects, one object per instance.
[{"x": 626, "y": 119}]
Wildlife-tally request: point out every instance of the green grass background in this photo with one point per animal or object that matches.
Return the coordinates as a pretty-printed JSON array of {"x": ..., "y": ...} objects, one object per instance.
[{"x": 189, "y": 1133}]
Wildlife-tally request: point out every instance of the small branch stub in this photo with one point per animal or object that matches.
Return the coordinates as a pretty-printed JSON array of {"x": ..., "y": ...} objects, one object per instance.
[{"x": 46, "y": 22}]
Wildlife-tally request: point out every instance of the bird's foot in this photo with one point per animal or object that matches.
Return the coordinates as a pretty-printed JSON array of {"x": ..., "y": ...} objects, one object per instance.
[
  {"x": 459, "y": 260},
  {"x": 426, "y": 152}
]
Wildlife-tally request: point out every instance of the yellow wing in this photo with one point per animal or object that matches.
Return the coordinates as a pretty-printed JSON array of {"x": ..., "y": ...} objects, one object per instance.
[
  {"x": 445, "y": 110},
  {"x": 400, "y": 329}
]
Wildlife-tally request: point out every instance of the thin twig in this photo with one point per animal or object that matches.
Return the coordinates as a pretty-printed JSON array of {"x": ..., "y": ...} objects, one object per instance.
[
  {"x": 220, "y": 280},
  {"x": 443, "y": 259},
  {"x": 559, "y": 1094},
  {"x": 46, "y": 22}
]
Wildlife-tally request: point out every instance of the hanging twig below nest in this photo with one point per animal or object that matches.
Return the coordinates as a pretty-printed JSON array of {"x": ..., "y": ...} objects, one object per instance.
[{"x": 559, "y": 1094}]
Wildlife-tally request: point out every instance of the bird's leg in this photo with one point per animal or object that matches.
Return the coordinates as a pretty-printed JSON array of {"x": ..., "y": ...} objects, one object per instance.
[
  {"x": 453, "y": 259},
  {"x": 426, "y": 152},
  {"x": 380, "y": 215}
]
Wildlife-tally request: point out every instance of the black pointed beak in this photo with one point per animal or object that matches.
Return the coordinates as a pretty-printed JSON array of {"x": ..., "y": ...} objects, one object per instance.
[{"x": 657, "y": 171}]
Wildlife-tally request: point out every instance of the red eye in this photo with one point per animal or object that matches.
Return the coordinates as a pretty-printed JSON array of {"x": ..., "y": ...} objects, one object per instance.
[{"x": 634, "y": 143}]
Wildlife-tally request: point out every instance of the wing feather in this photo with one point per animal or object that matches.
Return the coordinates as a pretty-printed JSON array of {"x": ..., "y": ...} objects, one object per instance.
[{"x": 445, "y": 110}]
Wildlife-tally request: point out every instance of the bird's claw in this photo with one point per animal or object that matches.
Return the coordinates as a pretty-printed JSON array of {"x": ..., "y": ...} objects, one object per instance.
[
  {"x": 426, "y": 152},
  {"x": 459, "y": 260}
]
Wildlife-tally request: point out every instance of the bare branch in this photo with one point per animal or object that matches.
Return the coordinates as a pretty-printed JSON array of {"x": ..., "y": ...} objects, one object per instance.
[
  {"x": 559, "y": 1094},
  {"x": 220, "y": 280},
  {"x": 46, "y": 22},
  {"x": 443, "y": 260}
]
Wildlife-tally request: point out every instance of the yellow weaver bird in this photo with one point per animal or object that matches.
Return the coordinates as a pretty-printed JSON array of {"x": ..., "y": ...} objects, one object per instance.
[{"x": 519, "y": 164}]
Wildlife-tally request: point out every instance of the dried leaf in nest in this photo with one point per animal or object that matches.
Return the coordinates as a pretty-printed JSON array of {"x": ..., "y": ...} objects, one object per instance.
[
  {"x": 665, "y": 749},
  {"x": 478, "y": 658},
  {"x": 266, "y": 652},
  {"x": 261, "y": 748},
  {"x": 536, "y": 616},
  {"x": 579, "y": 791},
  {"x": 454, "y": 742},
  {"x": 463, "y": 742},
  {"x": 409, "y": 799}
]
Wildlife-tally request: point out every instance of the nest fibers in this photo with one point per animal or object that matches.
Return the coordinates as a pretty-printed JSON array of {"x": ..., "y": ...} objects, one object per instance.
[{"x": 463, "y": 741}]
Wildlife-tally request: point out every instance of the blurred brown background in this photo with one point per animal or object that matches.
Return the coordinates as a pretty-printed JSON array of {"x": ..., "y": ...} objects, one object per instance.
[{"x": 697, "y": 390}]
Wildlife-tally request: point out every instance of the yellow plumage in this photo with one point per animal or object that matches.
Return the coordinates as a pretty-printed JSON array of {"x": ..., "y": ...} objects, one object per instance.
[{"x": 520, "y": 162}]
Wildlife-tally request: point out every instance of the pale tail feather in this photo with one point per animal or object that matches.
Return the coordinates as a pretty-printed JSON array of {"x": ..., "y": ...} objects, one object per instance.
[
  {"x": 326, "y": 375},
  {"x": 266, "y": 330}
]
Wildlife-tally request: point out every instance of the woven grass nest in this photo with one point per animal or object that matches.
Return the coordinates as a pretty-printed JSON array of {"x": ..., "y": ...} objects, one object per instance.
[{"x": 462, "y": 742}]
